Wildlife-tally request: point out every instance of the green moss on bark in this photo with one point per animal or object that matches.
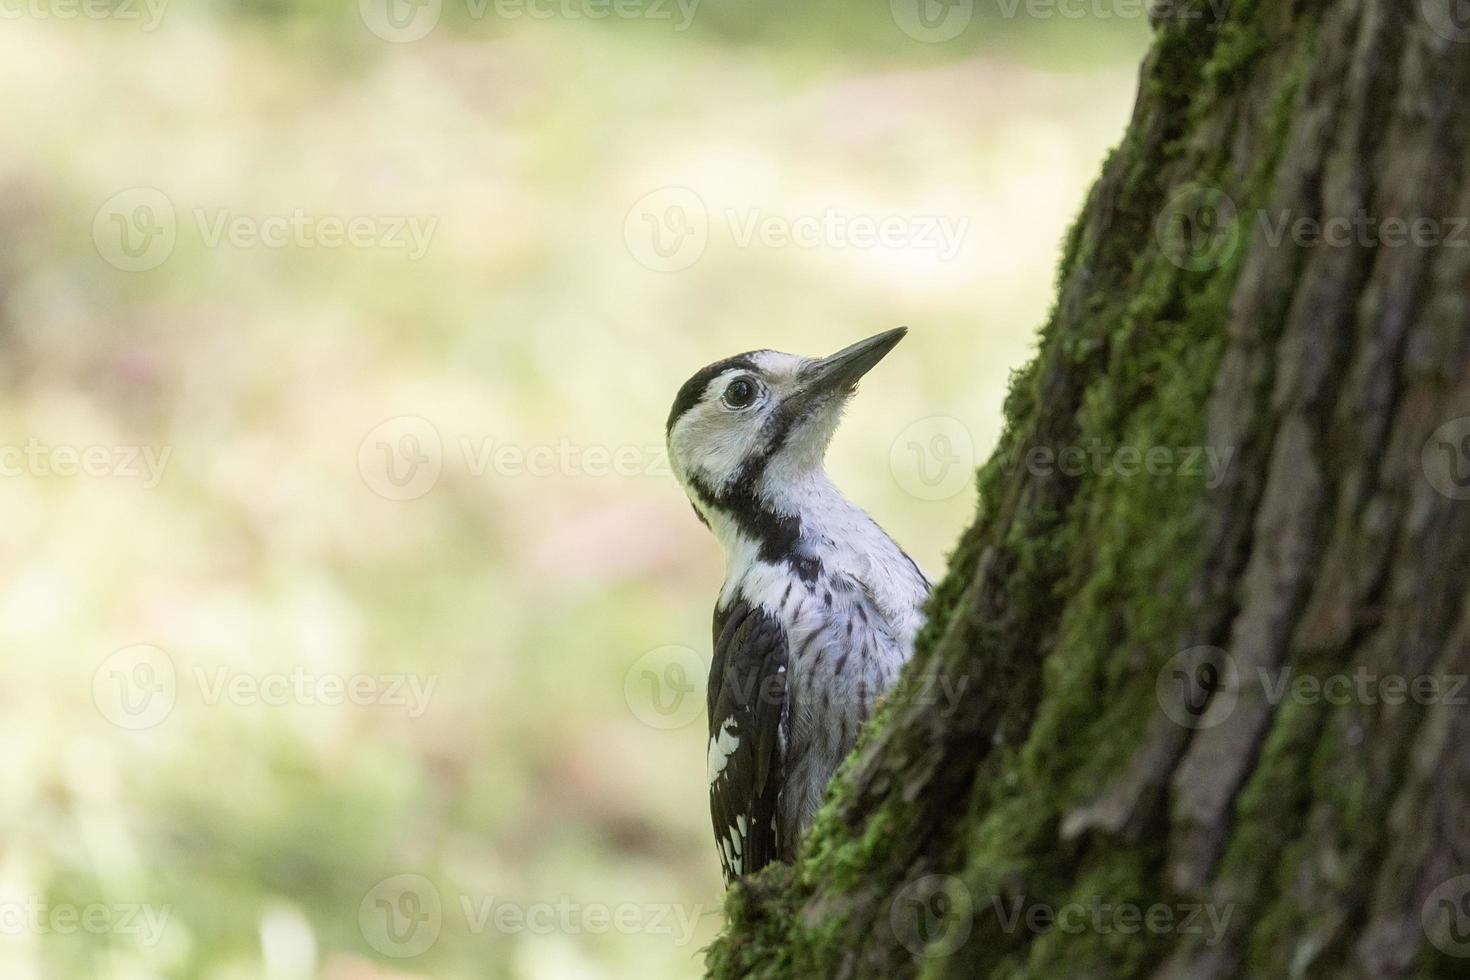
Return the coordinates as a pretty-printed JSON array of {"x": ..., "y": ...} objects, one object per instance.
[{"x": 1097, "y": 565}]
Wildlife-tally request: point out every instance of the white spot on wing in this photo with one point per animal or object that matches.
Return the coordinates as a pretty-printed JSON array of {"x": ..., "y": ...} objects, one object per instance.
[{"x": 720, "y": 748}]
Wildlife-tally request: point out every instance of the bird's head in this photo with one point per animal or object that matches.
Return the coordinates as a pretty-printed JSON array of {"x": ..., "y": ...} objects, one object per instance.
[{"x": 744, "y": 429}]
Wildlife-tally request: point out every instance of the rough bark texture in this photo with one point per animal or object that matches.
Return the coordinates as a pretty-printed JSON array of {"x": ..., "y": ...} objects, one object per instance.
[{"x": 1327, "y": 831}]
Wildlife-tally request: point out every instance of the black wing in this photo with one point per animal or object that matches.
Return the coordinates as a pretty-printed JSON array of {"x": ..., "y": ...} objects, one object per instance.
[{"x": 749, "y": 719}]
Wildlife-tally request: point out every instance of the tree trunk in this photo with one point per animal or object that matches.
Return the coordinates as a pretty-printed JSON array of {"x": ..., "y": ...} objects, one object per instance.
[{"x": 1211, "y": 622}]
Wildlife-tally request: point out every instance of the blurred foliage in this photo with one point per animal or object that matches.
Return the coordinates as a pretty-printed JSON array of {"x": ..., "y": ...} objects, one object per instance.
[{"x": 259, "y": 831}]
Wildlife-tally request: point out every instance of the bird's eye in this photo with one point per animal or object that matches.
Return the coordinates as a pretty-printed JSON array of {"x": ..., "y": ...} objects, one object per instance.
[{"x": 739, "y": 393}]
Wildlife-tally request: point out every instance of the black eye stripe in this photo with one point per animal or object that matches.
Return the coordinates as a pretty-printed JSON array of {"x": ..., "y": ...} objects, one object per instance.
[{"x": 694, "y": 389}]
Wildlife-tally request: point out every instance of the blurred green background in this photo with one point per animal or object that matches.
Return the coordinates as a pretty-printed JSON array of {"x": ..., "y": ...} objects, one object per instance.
[{"x": 352, "y": 622}]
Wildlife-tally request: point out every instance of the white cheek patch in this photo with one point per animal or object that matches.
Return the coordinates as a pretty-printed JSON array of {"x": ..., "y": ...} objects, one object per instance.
[
  {"x": 720, "y": 441},
  {"x": 712, "y": 442}
]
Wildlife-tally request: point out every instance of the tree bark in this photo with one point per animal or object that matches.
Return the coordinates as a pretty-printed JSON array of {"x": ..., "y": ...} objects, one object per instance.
[{"x": 1231, "y": 694}]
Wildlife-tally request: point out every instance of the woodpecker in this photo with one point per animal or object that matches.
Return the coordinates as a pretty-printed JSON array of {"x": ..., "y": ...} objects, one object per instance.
[{"x": 819, "y": 607}]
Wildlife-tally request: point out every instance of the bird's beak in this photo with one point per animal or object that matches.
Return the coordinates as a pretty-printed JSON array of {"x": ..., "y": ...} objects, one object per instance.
[{"x": 839, "y": 374}]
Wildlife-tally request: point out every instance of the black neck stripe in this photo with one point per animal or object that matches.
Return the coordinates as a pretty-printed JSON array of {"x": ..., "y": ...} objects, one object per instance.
[{"x": 779, "y": 535}]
